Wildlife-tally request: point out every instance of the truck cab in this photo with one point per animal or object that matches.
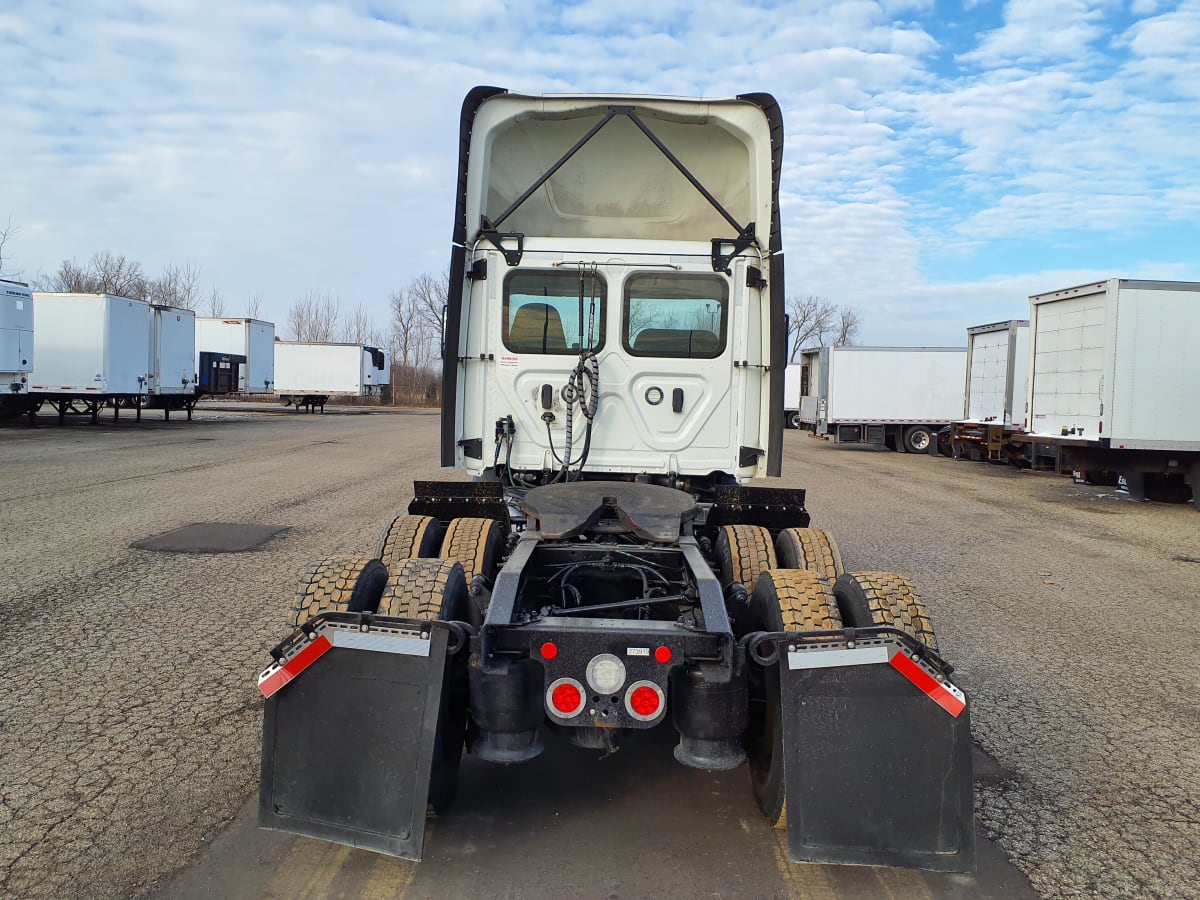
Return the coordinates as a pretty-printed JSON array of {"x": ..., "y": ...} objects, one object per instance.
[{"x": 651, "y": 291}]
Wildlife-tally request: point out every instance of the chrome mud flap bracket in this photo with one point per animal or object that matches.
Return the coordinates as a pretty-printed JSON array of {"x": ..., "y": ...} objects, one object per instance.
[
  {"x": 877, "y": 753},
  {"x": 349, "y": 728}
]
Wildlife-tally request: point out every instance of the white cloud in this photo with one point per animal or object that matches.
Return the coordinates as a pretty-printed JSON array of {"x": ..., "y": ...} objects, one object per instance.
[{"x": 288, "y": 146}]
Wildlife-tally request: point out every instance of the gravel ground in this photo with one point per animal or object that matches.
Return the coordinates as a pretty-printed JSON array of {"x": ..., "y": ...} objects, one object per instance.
[{"x": 131, "y": 726}]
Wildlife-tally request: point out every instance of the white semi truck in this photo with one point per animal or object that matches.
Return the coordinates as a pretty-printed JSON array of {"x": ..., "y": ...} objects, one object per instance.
[
  {"x": 235, "y": 356},
  {"x": 613, "y": 380},
  {"x": 1114, "y": 384},
  {"x": 893, "y": 396},
  {"x": 308, "y": 373},
  {"x": 16, "y": 345}
]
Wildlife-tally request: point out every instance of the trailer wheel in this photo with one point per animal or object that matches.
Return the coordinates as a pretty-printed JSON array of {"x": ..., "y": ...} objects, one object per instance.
[
  {"x": 338, "y": 584},
  {"x": 887, "y": 599},
  {"x": 744, "y": 552},
  {"x": 436, "y": 589},
  {"x": 477, "y": 544},
  {"x": 783, "y": 600},
  {"x": 409, "y": 537},
  {"x": 917, "y": 439},
  {"x": 809, "y": 548},
  {"x": 793, "y": 420}
]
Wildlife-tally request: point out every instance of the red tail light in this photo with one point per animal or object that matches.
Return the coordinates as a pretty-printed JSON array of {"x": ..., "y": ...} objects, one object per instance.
[
  {"x": 663, "y": 655},
  {"x": 565, "y": 698},
  {"x": 644, "y": 700},
  {"x": 549, "y": 650}
]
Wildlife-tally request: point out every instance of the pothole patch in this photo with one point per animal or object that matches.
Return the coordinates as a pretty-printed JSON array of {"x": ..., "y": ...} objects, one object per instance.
[{"x": 210, "y": 537}]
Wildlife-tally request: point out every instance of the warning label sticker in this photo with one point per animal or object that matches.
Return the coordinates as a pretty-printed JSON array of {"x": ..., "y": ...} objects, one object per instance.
[{"x": 509, "y": 361}]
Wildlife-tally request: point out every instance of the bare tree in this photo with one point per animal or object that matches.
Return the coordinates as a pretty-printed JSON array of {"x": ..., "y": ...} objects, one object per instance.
[
  {"x": 254, "y": 303},
  {"x": 177, "y": 286},
  {"x": 817, "y": 322},
  {"x": 105, "y": 273},
  {"x": 358, "y": 326},
  {"x": 8, "y": 231},
  {"x": 314, "y": 317},
  {"x": 847, "y": 327},
  {"x": 416, "y": 331},
  {"x": 216, "y": 304},
  {"x": 429, "y": 294}
]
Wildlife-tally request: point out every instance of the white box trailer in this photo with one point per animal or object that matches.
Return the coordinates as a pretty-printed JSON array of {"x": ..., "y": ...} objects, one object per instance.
[
  {"x": 997, "y": 372},
  {"x": 882, "y": 395},
  {"x": 329, "y": 369},
  {"x": 90, "y": 344},
  {"x": 235, "y": 356},
  {"x": 1114, "y": 382},
  {"x": 16, "y": 340},
  {"x": 172, "y": 352}
]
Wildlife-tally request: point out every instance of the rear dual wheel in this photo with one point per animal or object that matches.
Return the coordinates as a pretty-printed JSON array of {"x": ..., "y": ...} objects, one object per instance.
[
  {"x": 409, "y": 537},
  {"x": 809, "y": 548},
  {"x": 338, "y": 584}
]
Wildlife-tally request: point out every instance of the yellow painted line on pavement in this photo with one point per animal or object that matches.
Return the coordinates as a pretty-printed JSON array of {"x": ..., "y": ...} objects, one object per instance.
[
  {"x": 309, "y": 870},
  {"x": 802, "y": 881},
  {"x": 389, "y": 878}
]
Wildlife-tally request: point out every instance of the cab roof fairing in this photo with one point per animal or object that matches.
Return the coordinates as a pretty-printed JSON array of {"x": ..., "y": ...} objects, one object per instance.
[{"x": 619, "y": 184}]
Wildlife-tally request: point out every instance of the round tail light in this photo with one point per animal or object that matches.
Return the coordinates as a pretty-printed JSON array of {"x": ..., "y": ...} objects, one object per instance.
[
  {"x": 565, "y": 698},
  {"x": 645, "y": 701},
  {"x": 605, "y": 673}
]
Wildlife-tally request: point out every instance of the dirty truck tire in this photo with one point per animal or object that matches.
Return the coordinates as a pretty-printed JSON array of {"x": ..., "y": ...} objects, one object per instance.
[
  {"x": 793, "y": 420},
  {"x": 409, "y": 537},
  {"x": 743, "y": 552},
  {"x": 477, "y": 544},
  {"x": 783, "y": 600},
  {"x": 338, "y": 584},
  {"x": 435, "y": 589},
  {"x": 886, "y": 599},
  {"x": 917, "y": 439},
  {"x": 809, "y": 548}
]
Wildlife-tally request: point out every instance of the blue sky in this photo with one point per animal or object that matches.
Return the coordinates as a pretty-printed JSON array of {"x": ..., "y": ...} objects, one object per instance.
[{"x": 942, "y": 160}]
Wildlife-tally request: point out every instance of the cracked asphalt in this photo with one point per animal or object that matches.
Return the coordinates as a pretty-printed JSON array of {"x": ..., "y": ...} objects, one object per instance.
[{"x": 130, "y": 725}]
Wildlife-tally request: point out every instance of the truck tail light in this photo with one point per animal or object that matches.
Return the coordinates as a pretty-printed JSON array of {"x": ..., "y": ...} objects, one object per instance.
[
  {"x": 605, "y": 673},
  {"x": 644, "y": 701},
  {"x": 565, "y": 697}
]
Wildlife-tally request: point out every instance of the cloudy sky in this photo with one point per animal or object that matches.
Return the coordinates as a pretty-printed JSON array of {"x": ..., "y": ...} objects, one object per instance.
[{"x": 942, "y": 160}]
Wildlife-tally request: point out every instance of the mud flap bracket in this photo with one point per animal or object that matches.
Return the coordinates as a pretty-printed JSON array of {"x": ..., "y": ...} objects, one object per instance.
[
  {"x": 348, "y": 740},
  {"x": 877, "y": 757}
]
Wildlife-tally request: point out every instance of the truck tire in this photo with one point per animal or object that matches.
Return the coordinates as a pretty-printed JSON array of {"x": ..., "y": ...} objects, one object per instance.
[
  {"x": 338, "y": 584},
  {"x": 917, "y": 439},
  {"x": 477, "y": 544},
  {"x": 436, "y": 589},
  {"x": 743, "y": 553},
  {"x": 409, "y": 537},
  {"x": 783, "y": 600},
  {"x": 809, "y": 548},
  {"x": 793, "y": 420},
  {"x": 887, "y": 599}
]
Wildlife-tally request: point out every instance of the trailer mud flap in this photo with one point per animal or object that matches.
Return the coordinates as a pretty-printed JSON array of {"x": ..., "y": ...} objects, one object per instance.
[
  {"x": 877, "y": 760},
  {"x": 348, "y": 736}
]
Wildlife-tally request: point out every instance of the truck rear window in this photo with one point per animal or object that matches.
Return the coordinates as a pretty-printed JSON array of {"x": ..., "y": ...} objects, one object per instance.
[
  {"x": 541, "y": 312},
  {"x": 675, "y": 315}
]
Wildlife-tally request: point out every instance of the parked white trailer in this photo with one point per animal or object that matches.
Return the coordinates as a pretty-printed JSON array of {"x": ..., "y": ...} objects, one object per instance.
[
  {"x": 1113, "y": 382},
  {"x": 997, "y": 372},
  {"x": 882, "y": 395},
  {"x": 328, "y": 369},
  {"x": 90, "y": 351},
  {"x": 16, "y": 342},
  {"x": 173, "y": 352},
  {"x": 235, "y": 356}
]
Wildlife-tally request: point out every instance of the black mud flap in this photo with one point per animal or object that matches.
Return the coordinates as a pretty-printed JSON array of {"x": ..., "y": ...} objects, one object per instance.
[
  {"x": 877, "y": 760},
  {"x": 348, "y": 736}
]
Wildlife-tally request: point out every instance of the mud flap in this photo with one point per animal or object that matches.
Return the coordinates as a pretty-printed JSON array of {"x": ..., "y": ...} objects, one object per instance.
[
  {"x": 348, "y": 740},
  {"x": 877, "y": 762}
]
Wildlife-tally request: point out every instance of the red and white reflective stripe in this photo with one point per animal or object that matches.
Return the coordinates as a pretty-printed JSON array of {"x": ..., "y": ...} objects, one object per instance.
[
  {"x": 274, "y": 678},
  {"x": 943, "y": 693}
]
